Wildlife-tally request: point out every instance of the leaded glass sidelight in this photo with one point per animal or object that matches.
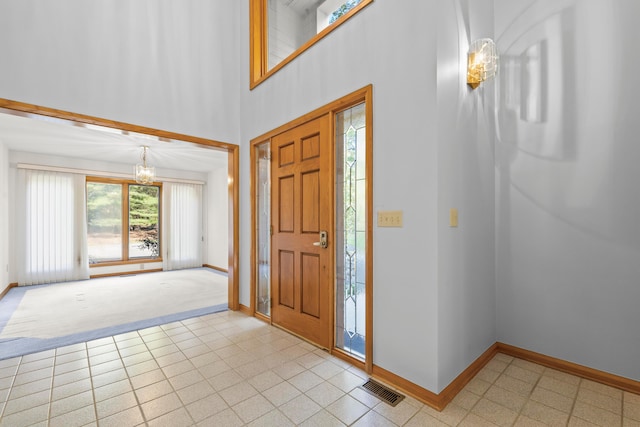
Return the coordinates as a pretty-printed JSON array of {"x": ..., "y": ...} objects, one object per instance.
[
  {"x": 263, "y": 229},
  {"x": 351, "y": 214}
]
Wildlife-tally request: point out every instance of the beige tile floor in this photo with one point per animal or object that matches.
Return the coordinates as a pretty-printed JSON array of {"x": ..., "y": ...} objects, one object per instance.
[{"x": 228, "y": 369}]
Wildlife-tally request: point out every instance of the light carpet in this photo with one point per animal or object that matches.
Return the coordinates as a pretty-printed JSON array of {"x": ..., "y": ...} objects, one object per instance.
[{"x": 35, "y": 318}]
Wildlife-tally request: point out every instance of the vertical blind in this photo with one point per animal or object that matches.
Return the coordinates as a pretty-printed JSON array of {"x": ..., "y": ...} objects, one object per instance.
[
  {"x": 53, "y": 222},
  {"x": 182, "y": 225}
]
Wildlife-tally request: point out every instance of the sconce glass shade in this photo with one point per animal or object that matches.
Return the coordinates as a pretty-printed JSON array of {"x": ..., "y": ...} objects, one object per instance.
[
  {"x": 482, "y": 62},
  {"x": 145, "y": 174}
]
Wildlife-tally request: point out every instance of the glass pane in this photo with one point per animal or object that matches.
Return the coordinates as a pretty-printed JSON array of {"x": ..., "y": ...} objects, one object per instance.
[
  {"x": 293, "y": 23},
  {"x": 144, "y": 221},
  {"x": 104, "y": 222},
  {"x": 351, "y": 217},
  {"x": 263, "y": 212}
]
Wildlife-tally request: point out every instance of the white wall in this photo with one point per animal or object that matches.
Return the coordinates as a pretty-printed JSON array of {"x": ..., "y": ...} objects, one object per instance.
[
  {"x": 158, "y": 63},
  {"x": 217, "y": 253},
  {"x": 466, "y": 295},
  {"x": 394, "y": 48},
  {"x": 434, "y": 298},
  {"x": 568, "y": 240},
  {"x": 4, "y": 217},
  {"x": 566, "y": 203}
]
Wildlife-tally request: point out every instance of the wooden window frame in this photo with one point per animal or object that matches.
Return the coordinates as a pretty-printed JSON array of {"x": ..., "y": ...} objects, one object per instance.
[
  {"x": 125, "y": 221},
  {"x": 259, "y": 35}
]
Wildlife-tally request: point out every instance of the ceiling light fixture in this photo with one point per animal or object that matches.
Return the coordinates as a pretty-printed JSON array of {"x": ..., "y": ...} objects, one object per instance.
[
  {"x": 482, "y": 62},
  {"x": 144, "y": 174}
]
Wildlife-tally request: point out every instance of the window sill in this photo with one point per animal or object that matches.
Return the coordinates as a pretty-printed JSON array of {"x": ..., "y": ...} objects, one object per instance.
[{"x": 128, "y": 262}]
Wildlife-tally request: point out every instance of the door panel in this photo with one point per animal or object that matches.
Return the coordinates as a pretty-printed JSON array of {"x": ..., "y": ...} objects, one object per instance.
[
  {"x": 285, "y": 154},
  {"x": 311, "y": 285},
  {"x": 286, "y": 290},
  {"x": 286, "y": 204},
  {"x": 311, "y": 147},
  {"x": 302, "y": 206},
  {"x": 310, "y": 202}
]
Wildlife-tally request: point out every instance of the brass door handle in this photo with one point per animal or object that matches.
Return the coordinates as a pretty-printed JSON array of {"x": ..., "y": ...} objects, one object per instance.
[{"x": 323, "y": 243}]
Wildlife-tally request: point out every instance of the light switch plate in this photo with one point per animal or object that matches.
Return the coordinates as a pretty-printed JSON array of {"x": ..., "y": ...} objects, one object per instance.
[
  {"x": 453, "y": 217},
  {"x": 389, "y": 218}
]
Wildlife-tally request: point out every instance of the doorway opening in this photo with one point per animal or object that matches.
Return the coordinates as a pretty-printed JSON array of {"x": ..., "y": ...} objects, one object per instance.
[{"x": 231, "y": 151}]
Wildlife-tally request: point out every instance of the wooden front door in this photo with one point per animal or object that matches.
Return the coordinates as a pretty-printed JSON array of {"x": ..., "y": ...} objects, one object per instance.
[{"x": 302, "y": 208}]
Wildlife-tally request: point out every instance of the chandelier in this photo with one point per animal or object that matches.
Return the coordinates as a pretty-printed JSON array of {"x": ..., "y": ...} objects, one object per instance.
[{"x": 144, "y": 174}]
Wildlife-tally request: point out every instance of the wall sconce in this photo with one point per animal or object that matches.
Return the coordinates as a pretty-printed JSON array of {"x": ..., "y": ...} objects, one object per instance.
[
  {"x": 144, "y": 174},
  {"x": 482, "y": 62}
]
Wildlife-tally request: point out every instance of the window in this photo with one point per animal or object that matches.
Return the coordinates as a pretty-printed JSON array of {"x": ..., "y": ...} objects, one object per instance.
[
  {"x": 351, "y": 236},
  {"x": 263, "y": 230},
  {"x": 123, "y": 221},
  {"x": 281, "y": 30}
]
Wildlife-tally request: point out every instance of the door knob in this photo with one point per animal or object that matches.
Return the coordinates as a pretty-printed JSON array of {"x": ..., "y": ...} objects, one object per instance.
[{"x": 323, "y": 243}]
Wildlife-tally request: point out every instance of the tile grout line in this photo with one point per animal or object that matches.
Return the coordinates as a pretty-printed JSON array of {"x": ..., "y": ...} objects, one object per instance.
[
  {"x": 575, "y": 399},
  {"x": 13, "y": 381},
  {"x": 167, "y": 378},
  {"x": 470, "y": 410},
  {"x": 53, "y": 375},
  {"x": 93, "y": 389},
  {"x": 530, "y": 393},
  {"x": 622, "y": 408},
  {"x": 135, "y": 396}
]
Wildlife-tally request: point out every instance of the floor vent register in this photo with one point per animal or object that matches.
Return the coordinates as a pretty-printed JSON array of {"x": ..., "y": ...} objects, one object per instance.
[{"x": 382, "y": 392}]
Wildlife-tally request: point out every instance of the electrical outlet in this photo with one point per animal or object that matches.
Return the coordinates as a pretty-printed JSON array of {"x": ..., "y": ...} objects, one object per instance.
[{"x": 389, "y": 218}]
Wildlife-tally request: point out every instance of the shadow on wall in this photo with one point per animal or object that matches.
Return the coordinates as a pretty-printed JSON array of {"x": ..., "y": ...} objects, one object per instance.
[
  {"x": 556, "y": 120},
  {"x": 536, "y": 91}
]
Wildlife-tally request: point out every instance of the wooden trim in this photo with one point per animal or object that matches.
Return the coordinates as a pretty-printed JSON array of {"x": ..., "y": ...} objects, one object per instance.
[
  {"x": 125, "y": 273},
  {"x": 254, "y": 234},
  {"x": 122, "y": 181},
  {"x": 127, "y": 262},
  {"x": 342, "y": 355},
  {"x": 422, "y": 394},
  {"x": 261, "y": 316},
  {"x": 343, "y": 103},
  {"x": 245, "y": 310},
  {"x": 7, "y": 289},
  {"x": 441, "y": 400},
  {"x": 259, "y": 46},
  {"x": 213, "y": 267},
  {"x": 602, "y": 377},
  {"x": 365, "y": 95},
  {"x": 254, "y": 225},
  {"x": 368, "y": 98},
  {"x": 34, "y": 111},
  {"x": 467, "y": 375},
  {"x": 233, "y": 176},
  {"x": 258, "y": 38}
]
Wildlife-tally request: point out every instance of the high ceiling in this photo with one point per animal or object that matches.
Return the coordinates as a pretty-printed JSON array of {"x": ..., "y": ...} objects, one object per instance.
[{"x": 59, "y": 138}]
